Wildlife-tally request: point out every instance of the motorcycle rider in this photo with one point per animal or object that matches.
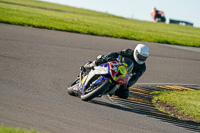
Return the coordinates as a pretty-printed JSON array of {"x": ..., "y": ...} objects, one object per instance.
[
  {"x": 138, "y": 56},
  {"x": 157, "y": 14}
]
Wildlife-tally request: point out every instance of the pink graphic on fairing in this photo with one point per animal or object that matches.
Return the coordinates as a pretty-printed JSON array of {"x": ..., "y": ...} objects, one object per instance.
[{"x": 114, "y": 68}]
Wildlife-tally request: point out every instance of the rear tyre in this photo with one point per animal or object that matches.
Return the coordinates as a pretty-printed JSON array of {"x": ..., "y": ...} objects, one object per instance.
[{"x": 99, "y": 90}]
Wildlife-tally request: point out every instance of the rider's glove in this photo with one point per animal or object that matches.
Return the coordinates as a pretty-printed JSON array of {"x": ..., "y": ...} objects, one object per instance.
[{"x": 100, "y": 57}]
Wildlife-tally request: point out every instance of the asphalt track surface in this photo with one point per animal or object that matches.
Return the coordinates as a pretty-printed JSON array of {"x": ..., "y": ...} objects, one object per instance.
[{"x": 36, "y": 65}]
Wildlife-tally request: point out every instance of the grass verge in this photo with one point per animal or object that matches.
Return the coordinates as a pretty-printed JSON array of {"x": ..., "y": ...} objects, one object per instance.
[
  {"x": 182, "y": 104},
  {"x": 5, "y": 129},
  {"x": 57, "y": 17}
]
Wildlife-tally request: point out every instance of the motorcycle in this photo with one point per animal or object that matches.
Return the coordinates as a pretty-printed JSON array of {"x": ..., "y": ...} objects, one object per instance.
[{"x": 102, "y": 80}]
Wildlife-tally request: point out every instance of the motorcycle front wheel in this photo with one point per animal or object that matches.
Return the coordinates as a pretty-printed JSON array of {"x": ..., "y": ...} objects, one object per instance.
[
  {"x": 70, "y": 88},
  {"x": 95, "y": 90}
]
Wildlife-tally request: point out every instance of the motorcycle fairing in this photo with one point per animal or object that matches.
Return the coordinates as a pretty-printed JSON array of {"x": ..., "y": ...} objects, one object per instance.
[
  {"x": 103, "y": 69},
  {"x": 119, "y": 78},
  {"x": 122, "y": 80},
  {"x": 113, "y": 68},
  {"x": 99, "y": 70}
]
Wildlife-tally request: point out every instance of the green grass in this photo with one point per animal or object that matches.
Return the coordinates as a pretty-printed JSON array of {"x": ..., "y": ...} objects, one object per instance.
[
  {"x": 5, "y": 129},
  {"x": 38, "y": 14},
  {"x": 187, "y": 102}
]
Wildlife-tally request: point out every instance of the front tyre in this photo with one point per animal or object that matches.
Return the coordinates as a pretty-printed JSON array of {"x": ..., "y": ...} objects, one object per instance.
[
  {"x": 94, "y": 93},
  {"x": 70, "y": 88}
]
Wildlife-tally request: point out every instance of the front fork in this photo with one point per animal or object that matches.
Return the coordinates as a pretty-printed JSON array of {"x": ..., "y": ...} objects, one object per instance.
[{"x": 76, "y": 89}]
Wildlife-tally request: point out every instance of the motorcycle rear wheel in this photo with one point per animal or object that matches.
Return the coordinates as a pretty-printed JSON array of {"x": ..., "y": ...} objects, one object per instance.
[{"x": 96, "y": 92}]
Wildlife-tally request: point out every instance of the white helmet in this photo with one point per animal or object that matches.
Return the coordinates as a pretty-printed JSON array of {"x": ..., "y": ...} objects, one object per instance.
[{"x": 141, "y": 53}]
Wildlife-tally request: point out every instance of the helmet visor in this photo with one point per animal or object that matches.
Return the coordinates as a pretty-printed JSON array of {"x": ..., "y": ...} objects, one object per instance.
[{"x": 140, "y": 57}]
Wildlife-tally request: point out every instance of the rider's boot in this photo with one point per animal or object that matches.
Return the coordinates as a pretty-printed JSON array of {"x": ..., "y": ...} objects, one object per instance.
[{"x": 122, "y": 92}]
